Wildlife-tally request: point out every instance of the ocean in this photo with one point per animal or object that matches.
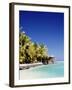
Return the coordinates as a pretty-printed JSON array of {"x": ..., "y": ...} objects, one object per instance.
[{"x": 43, "y": 71}]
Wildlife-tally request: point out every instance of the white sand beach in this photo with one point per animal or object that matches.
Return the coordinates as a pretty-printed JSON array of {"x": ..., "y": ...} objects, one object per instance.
[
  {"x": 27, "y": 73},
  {"x": 42, "y": 71},
  {"x": 27, "y": 66}
]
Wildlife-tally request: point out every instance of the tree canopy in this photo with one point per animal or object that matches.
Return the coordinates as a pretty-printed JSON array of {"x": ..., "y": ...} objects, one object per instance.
[{"x": 29, "y": 51}]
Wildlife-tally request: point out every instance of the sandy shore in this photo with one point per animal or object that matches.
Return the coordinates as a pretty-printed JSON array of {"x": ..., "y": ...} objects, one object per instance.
[
  {"x": 28, "y": 74},
  {"x": 27, "y": 66}
]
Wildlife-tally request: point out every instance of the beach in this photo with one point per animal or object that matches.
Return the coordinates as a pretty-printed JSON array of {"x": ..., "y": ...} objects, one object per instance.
[
  {"x": 27, "y": 66},
  {"x": 43, "y": 71}
]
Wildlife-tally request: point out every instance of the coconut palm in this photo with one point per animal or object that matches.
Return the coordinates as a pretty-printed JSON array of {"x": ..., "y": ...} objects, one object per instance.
[
  {"x": 23, "y": 39},
  {"x": 42, "y": 52},
  {"x": 30, "y": 52}
]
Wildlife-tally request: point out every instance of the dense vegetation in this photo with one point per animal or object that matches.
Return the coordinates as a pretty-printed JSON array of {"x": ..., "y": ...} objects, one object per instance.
[{"x": 29, "y": 51}]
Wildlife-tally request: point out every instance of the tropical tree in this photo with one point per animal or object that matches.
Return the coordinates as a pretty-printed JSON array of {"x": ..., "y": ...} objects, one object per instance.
[
  {"x": 30, "y": 52},
  {"x": 42, "y": 52},
  {"x": 23, "y": 41}
]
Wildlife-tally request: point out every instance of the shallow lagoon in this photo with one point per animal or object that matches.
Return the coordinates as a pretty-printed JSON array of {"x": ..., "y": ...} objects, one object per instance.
[{"x": 43, "y": 71}]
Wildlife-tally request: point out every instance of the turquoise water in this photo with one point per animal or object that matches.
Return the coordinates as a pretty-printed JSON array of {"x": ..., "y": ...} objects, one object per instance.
[{"x": 44, "y": 71}]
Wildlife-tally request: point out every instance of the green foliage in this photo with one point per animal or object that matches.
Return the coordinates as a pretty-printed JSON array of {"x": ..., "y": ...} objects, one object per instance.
[{"x": 30, "y": 52}]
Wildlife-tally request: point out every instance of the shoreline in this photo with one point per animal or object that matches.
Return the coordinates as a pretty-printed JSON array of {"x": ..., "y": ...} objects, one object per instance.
[
  {"x": 27, "y": 66},
  {"x": 42, "y": 71}
]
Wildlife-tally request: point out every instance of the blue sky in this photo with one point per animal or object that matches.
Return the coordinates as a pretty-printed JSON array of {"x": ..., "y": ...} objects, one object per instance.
[{"x": 46, "y": 28}]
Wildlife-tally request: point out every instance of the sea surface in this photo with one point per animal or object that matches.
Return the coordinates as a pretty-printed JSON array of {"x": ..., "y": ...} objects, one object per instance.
[{"x": 43, "y": 71}]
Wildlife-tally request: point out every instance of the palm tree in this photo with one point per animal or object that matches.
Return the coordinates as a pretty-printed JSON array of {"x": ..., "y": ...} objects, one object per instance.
[
  {"x": 30, "y": 52},
  {"x": 23, "y": 39},
  {"x": 36, "y": 50},
  {"x": 42, "y": 52}
]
